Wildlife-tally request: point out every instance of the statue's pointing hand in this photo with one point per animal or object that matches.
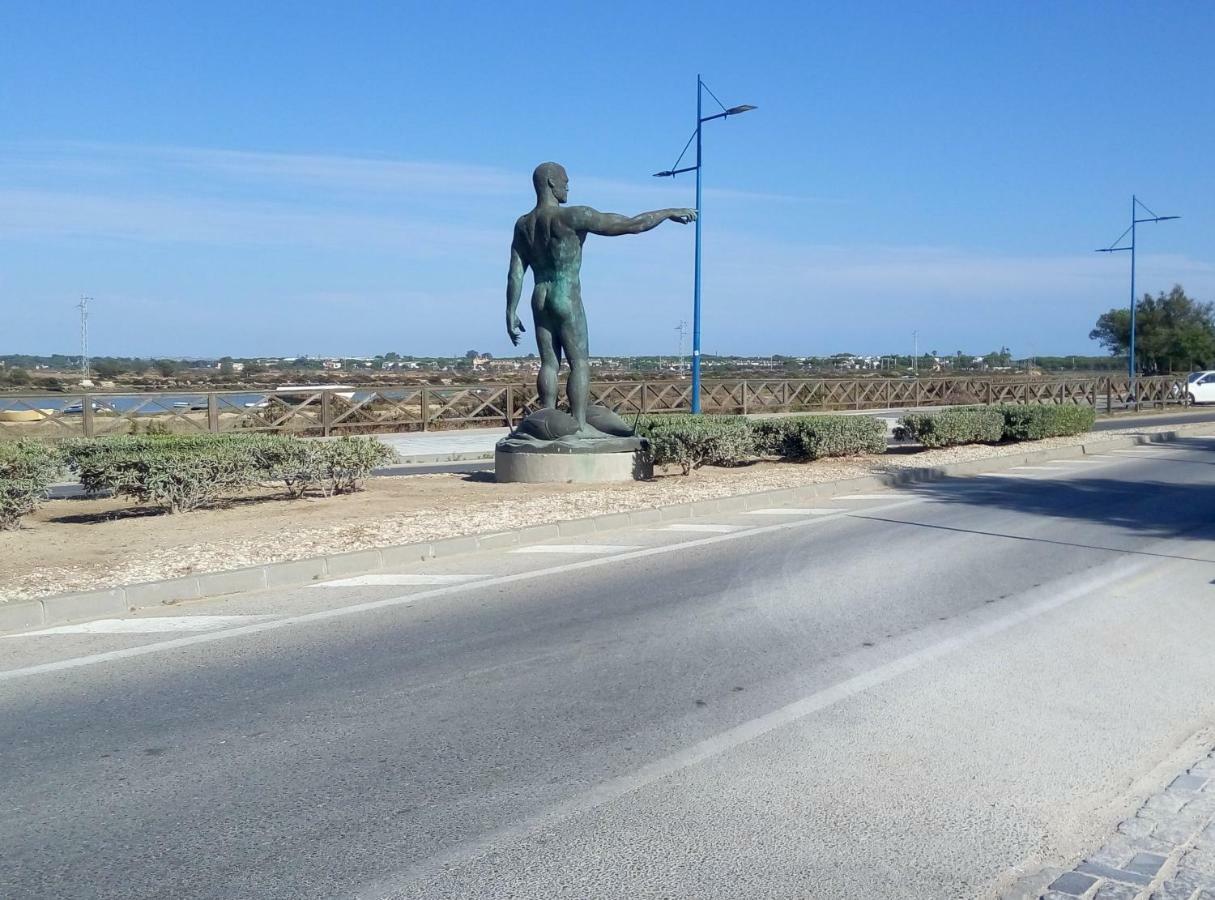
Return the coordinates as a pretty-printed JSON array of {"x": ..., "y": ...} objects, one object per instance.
[
  {"x": 514, "y": 328},
  {"x": 683, "y": 216}
]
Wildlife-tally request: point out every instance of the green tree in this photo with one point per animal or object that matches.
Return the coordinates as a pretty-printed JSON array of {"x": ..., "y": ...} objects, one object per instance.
[
  {"x": 165, "y": 367},
  {"x": 18, "y": 376},
  {"x": 1172, "y": 331},
  {"x": 108, "y": 368}
]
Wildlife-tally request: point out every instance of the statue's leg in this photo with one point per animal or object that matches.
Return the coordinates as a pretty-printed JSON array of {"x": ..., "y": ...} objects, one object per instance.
[
  {"x": 550, "y": 363},
  {"x": 573, "y": 338}
]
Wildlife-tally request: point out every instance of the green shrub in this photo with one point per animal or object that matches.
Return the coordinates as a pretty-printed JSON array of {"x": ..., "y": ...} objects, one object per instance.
[
  {"x": 347, "y": 461},
  {"x": 1032, "y": 423},
  {"x": 27, "y": 469},
  {"x": 694, "y": 441},
  {"x": 184, "y": 472},
  {"x": 177, "y": 479},
  {"x": 949, "y": 427},
  {"x": 815, "y": 437}
]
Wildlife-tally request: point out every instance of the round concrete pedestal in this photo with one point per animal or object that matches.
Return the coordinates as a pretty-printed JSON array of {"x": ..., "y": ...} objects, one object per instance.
[{"x": 571, "y": 468}]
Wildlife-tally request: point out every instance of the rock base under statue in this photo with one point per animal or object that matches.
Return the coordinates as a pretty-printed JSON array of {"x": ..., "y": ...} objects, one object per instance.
[
  {"x": 538, "y": 452},
  {"x": 583, "y": 467}
]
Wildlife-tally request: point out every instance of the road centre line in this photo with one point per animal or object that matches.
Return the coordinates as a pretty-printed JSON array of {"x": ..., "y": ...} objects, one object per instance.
[
  {"x": 409, "y": 599},
  {"x": 701, "y": 526},
  {"x": 378, "y": 579},
  {"x": 145, "y": 625},
  {"x": 1055, "y": 596},
  {"x": 576, "y": 549}
]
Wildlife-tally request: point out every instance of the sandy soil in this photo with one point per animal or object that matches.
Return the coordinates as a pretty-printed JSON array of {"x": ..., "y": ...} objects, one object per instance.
[{"x": 77, "y": 545}]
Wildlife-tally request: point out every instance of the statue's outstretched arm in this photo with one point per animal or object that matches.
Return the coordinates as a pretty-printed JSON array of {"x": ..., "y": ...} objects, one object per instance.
[
  {"x": 514, "y": 289},
  {"x": 586, "y": 219}
]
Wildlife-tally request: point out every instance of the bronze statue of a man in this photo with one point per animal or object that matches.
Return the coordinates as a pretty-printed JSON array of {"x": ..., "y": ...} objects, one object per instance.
[{"x": 548, "y": 240}]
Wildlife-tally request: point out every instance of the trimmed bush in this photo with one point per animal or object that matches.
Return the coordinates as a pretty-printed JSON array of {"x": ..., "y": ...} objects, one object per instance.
[
  {"x": 815, "y": 437},
  {"x": 183, "y": 472},
  {"x": 348, "y": 461},
  {"x": 1032, "y": 423},
  {"x": 950, "y": 427},
  {"x": 27, "y": 469},
  {"x": 694, "y": 441}
]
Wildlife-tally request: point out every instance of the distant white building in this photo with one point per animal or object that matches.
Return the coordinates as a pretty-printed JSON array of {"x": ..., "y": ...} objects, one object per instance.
[{"x": 331, "y": 364}]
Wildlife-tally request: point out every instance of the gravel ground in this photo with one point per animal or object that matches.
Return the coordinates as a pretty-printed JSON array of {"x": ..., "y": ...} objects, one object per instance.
[{"x": 64, "y": 554}]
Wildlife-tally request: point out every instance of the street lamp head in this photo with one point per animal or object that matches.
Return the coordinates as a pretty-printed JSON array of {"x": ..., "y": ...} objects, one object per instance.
[
  {"x": 667, "y": 174},
  {"x": 735, "y": 110}
]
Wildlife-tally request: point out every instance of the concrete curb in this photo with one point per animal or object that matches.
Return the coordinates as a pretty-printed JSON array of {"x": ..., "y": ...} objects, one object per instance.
[{"x": 64, "y": 608}]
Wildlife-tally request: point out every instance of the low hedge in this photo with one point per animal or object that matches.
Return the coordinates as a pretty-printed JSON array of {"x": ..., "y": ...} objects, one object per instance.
[
  {"x": 27, "y": 470},
  {"x": 1032, "y": 423},
  {"x": 950, "y": 427},
  {"x": 816, "y": 437},
  {"x": 694, "y": 441},
  {"x": 183, "y": 472},
  {"x": 987, "y": 424}
]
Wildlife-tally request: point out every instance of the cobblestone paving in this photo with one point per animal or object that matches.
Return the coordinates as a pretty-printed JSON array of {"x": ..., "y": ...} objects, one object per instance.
[{"x": 1165, "y": 852}]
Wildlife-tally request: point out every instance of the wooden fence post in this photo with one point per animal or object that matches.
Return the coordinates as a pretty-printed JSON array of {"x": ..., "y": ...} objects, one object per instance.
[
  {"x": 510, "y": 406},
  {"x": 212, "y": 412},
  {"x": 326, "y": 412},
  {"x": 425, "y": 403},
  {"x": 645, "y": 405},
  {"x": 744, "y": 396}
]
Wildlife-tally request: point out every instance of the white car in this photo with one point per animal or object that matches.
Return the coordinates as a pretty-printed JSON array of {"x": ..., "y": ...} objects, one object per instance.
[{"x": 1201, "y": 387}]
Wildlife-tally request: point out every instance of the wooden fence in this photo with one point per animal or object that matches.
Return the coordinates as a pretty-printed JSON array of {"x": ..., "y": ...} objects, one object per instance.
[{"x": 345, "y": 409}]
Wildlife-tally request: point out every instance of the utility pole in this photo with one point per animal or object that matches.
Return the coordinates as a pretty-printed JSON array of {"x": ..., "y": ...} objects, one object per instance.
[{"x": 83, "y": 306}]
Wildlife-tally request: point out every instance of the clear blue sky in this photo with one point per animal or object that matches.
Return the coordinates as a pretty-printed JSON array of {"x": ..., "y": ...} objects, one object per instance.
[{"x": 266, "y": 178}]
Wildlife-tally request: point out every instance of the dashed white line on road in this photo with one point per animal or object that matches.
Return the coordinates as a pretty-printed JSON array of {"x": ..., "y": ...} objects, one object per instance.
[
  {"x": 796, "y": 511},
  {"x": 701, "y": 526},
  {"x": 576, "y": 549},
  {"x": 369, "y": 580},
  {"x": 148, "y": 625}
]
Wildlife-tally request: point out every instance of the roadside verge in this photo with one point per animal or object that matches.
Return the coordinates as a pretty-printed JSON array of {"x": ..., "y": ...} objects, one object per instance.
[{"x": 64, "y": 608}]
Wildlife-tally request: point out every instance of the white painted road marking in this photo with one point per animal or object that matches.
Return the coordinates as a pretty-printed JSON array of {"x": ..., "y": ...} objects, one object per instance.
[
  {"x": 701, "y": 526},
  {"x": 576, "y": 549},
  {"x": 1053, "y": 596},
  {"x": 148, "y": 625},
  {"x": 796, "y": 511},
  {"x": 366, "y": 580},
  {"x": 1006, "y": 475},
  {"x": 325, "y": 615}
]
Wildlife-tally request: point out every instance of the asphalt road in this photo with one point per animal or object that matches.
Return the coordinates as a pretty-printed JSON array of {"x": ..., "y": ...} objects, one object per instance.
[{"x": 911, "y": 694}]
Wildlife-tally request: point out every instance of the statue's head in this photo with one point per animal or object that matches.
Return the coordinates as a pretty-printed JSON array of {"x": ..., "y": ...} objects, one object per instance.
[{"x": 550, "y": 178}]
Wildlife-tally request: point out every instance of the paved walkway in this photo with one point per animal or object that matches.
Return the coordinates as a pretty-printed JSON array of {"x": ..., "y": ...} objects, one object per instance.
[{"x": 1166, "y": 851}]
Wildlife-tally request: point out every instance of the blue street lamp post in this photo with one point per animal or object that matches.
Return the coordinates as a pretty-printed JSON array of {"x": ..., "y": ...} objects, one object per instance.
[
  {"x": 671, "y": 173},
  {"x": 1136, "y": 205}
]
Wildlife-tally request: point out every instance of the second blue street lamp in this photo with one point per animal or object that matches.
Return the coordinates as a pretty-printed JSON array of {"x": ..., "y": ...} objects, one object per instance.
[
  {"x": 701, "y": 118},
  {"x": 1136, "y": 205}
]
